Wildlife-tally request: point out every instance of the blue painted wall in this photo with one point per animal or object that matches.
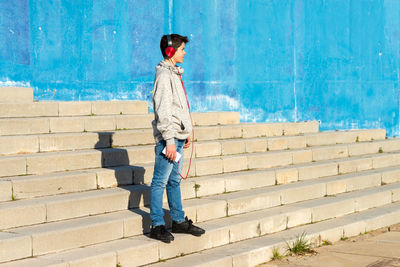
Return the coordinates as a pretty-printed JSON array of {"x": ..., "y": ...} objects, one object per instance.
[{"x": 337, "y": 61}]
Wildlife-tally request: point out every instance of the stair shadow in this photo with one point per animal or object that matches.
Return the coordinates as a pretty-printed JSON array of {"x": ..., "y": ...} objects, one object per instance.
[{"x": 124, "y": 175}]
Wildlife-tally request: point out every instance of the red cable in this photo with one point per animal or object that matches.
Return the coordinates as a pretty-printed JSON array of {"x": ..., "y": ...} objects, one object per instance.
[{"x": 191, "y": 120}]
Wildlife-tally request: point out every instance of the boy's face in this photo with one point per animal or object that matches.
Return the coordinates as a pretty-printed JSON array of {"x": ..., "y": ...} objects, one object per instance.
[{"x": 179, "y": 54}]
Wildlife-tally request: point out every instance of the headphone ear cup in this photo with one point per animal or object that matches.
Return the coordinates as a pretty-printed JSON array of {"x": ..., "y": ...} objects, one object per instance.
[{"x": 170, "y": 51}]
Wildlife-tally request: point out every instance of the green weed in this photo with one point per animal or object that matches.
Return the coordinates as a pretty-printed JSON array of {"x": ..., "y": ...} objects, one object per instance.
[
  {"x": 276, "y": 255},
  {"x": 300, "y": 246},
  {"x": 196, "y": 187},
  {"x": 326, "y": 243}
]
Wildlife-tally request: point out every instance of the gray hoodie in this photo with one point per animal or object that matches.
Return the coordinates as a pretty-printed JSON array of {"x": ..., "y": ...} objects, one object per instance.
[{"x": 171, "y": 112}]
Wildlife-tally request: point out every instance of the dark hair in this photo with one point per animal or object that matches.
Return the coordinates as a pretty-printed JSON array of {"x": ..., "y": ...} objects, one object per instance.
[{"x": 176, "y": 39}]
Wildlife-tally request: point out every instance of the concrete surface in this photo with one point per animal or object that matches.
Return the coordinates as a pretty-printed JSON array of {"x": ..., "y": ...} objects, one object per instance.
[{"x": 379, "y": 248}]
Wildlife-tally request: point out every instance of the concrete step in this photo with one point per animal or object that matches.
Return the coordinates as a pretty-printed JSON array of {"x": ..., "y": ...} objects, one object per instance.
[
  {"x": 62, "y": 109},
  {"x": 270, "y": 196},
  {"x": 284, "y": 174},
  {"x": 205, "y": 165},
  {"x": 22, "y": 144},
  {"x": 231, "y": 182},
  {"x": 21, "y": 187},
  {"x": 15, "y": 95},
  {"x": 43, "y": 125},
  {"x": 138, "y": 250},
  {"x": 67, "y": 206},
  {"x": 259, "y": 160},
  {"x": 258, "y": 250}
]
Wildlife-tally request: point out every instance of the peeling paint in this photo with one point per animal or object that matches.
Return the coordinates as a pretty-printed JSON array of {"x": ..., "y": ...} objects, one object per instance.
[{"x": 8, "y": 83}]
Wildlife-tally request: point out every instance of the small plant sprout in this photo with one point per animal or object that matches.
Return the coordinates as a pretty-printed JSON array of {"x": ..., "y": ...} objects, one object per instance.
[
  {"x": 196, "y": 187},
  {"x": 357, "y": 139},
  {"x": 276, "y": 255},
  {"x": 300, "y": 245},
  {"x": 326, "y": 243},
  {"x": 343, "y": 238},
  {"x": 380, "y": 150}
]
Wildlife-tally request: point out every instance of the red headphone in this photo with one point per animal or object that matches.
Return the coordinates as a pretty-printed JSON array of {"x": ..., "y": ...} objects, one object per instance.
[{"x": 169, "y": 51}]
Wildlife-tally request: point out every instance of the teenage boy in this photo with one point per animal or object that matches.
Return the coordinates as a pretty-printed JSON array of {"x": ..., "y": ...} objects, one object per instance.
[{"x": 171, "y": 128}]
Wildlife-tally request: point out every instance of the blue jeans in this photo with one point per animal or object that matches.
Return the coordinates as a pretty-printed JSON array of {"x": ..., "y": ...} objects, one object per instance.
[{"x": 166, "y": 176}]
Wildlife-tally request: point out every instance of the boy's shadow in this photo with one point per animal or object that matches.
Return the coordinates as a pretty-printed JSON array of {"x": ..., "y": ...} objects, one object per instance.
[{"x": 126, "y": 176}]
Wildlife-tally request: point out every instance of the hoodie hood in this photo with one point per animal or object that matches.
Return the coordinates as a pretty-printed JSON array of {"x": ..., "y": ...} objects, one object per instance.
[{"x": 164, "y": 65}]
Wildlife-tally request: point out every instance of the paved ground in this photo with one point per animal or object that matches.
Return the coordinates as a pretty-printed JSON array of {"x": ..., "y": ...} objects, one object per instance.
[{"x": 380, "y": 248}]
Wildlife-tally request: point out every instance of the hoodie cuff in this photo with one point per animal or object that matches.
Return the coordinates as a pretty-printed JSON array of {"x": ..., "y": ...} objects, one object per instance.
[{"x": 170, "y": 141}]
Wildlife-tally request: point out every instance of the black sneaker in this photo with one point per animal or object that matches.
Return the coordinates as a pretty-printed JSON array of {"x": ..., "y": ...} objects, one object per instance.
[
  {"x": 187, "y": 227},
  {"x": 160, "y": 233}
]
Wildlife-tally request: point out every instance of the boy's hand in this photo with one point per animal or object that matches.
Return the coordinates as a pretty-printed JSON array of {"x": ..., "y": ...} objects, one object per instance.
[
  {"x": 170, "y": 152},
  {"x": 187, "y": 143}
]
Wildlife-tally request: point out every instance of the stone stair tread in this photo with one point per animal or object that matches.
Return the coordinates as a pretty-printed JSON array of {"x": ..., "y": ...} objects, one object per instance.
[
  {"x": 259, "y": 250},
  {"x": 111, "y": 133},
  {"x": 60, "y": 207},
  {"x": 84, "y": 116},
  {"x": 228, "y": 225},
  {"x": 52, "y": 153},
  {"x": 77, "y": 108},
  {"x": 269, "y": 196},
  {"x": 64, "y": 141},
  {"x": 62, "y": 182},
  {"x": 43, "y": 125},
  {"x": 48, "y": 208},
  {"x": 15, "y": 94},
  {"x": 282, "y": 187},
  {"x": 195, "y": 114},
  {"x": 73, "y": 116},
  {"x": 200, "y": 127}
]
